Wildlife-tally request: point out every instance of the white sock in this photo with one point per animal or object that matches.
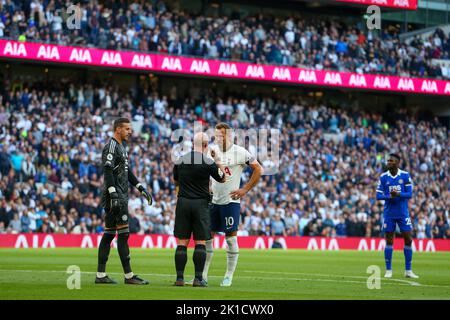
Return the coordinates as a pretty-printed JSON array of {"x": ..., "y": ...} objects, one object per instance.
[
  {"x": 209, "y": 254},
  {"x": 129, "y": 275},
  {"x": 101, "y": 274},
  {"x": 232, "y": 256}
]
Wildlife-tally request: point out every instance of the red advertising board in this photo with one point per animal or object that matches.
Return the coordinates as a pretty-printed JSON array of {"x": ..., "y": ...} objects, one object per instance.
[
  {"x": 400, "y": 4},
  {"x": 252, "y": 242},
  {"x": 216, "y": 68}
]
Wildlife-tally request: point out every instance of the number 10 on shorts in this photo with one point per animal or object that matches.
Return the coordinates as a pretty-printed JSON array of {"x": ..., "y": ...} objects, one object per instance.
[{"x": 229, "y": 221}]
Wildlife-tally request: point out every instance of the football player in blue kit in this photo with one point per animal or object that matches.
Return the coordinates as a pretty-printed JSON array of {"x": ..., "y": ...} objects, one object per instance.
[{"x": 395, "y": 188}]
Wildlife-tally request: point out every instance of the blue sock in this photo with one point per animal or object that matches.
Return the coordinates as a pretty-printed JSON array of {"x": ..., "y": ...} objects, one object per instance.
[
  {"x": 407, "y": 250},
  {"x": 388, "y": 257}
]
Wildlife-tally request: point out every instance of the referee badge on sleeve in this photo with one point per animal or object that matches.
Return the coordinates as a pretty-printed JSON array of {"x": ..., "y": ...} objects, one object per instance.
[
  {"x": 109, "y": 156},
  {"x": 124, "y": 217}
]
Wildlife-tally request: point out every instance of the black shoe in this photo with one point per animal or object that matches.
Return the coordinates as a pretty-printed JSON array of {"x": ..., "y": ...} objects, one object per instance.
[
  {"x": 200, "y": 283},
  {"x": 179, "y": 283},
  {"x": 136, "y": 280},
  {"x": 104, "y": 280}
]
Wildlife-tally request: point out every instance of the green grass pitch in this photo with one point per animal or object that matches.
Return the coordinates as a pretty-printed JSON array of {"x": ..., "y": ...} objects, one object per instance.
[{"x": 272, "y": 274}]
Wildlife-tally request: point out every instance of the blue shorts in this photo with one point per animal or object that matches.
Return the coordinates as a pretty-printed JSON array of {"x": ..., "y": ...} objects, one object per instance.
[
  {"x": 225, "y": 218},
  {"x": 403, "y": 223}
]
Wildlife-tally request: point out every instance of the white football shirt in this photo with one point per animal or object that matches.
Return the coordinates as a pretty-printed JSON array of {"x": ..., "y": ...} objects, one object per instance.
[{"x": 234, "y": 161}]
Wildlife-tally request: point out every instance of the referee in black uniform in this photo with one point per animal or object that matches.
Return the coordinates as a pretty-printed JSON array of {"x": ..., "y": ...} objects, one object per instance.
[{"x": 191, "y": 176}]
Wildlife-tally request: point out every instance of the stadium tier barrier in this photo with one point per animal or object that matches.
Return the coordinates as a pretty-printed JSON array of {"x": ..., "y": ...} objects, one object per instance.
[
  {"x": 247, "y": 242},
  {"x": 216, "y": 68}
]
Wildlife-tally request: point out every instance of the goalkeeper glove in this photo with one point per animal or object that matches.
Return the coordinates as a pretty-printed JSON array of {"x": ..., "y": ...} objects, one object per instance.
[
  {"x": 114, "y": 196},
  {"x": 144, "y": 192}
]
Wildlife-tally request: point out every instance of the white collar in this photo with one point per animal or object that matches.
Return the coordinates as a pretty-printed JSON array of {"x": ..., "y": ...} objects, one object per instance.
[{"x": 393, "y": 177}]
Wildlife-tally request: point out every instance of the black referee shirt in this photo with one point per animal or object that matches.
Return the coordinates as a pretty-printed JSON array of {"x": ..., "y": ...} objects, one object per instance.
[{"x": 192, "y": 173}]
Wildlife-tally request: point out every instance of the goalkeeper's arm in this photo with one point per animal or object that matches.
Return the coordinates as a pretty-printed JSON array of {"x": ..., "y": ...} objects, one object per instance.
[
  {"x": 109, "y": 179},
  {"x": 134, "y": 181},
  {"x": 108, "y": 165}
]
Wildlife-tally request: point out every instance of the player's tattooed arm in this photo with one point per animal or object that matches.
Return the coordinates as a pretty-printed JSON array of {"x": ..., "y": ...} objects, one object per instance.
[{"x": 256, "y": 175}]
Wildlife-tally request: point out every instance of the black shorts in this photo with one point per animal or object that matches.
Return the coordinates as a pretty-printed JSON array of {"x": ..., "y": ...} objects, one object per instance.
[
  {"x": 192, "y": 217},
  {"x": 120, "y": 218}
]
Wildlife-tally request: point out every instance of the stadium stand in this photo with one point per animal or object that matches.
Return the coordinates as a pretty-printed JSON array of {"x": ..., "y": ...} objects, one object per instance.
[
  {"x": 153, "y": 26},
  {"x": 51, "y": 140}
]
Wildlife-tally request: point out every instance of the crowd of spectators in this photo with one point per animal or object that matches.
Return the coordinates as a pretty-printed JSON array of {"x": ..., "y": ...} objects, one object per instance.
[
  {"x": 300, "y": 40},
  {"x": 330, "y": 159}
]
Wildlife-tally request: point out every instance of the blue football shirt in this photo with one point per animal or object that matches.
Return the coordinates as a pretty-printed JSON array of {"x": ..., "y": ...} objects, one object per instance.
[{"x": 395, "y": 207}]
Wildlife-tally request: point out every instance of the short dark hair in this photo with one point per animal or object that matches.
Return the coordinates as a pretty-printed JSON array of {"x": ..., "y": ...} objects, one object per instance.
[
  {"x": 394, "y": 155},
  {"x": 118, "y": 122}
]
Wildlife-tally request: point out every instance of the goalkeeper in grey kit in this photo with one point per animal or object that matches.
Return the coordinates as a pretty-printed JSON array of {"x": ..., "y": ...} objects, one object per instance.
[{"x": 117, "y": 176}]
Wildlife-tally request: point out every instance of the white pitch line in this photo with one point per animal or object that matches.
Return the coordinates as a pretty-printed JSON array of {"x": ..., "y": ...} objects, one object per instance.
[
  {"x": 244, "y": 277},
  {"x": 173, "y": 275},
  {"x": 411, "y": 283}
]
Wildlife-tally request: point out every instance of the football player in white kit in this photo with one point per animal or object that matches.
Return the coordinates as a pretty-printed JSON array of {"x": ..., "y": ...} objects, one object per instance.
[{"x": 225, "y": 209}]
